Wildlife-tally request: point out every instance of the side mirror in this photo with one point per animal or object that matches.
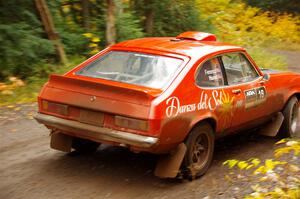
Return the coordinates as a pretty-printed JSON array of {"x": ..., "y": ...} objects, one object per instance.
[{"x": 265, "y": 77}]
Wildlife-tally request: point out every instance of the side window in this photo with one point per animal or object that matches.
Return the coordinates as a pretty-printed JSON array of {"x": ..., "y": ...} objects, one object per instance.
[
  {"x": 238, "y": 69},
  {"x": 210, "y": 74}
]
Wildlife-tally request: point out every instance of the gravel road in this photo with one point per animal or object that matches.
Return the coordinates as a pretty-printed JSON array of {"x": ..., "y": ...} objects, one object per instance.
[{"x": 30, "y": 169}]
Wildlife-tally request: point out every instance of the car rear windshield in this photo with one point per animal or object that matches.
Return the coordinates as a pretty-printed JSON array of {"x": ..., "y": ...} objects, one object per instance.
[{"x": 134, "y": 68}]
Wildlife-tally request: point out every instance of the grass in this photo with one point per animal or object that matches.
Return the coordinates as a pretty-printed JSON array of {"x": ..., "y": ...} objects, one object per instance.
[{"x": 268, "y": 60}]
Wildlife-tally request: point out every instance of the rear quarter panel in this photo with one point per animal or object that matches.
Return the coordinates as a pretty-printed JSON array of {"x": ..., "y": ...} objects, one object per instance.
[
  {"x": 284, "y": 85},
  {"x": 177, "y": 107}
]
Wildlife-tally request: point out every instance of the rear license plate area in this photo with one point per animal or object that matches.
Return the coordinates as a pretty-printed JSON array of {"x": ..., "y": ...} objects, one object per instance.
[{"x": 91, "y": 117}]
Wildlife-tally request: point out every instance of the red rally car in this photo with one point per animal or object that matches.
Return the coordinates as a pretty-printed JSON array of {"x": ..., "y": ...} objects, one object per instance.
[{"x": 167, "y": 95}]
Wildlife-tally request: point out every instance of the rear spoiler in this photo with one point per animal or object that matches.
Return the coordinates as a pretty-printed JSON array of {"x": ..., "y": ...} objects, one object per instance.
[{"x": 119, "y": 91}]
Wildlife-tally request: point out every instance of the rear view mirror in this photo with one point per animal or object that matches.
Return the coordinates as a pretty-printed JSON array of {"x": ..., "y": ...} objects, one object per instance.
[{"x": 265, "y": 78}]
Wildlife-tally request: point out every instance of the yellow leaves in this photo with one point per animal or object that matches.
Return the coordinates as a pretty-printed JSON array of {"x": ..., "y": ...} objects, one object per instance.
[
  {"x": 242, "y": 165},
  {"x": 252, "y": 162},
  {"x": 281, "y": 141},
  {"x": 17, "y": 108},
  {"x": 92, "y": 45},
  {"x": 255, "y": 162},
  {"x": 66, "y": 8},
  {"x": 268, "y": 166},
  {"x": 291, "y": 146},
  {"x": 274, "y": 178},
  {"x": 292, "y": 143},
  {"x": 95, "y": 39},
  {"x": 293, "y": 193},
  {"x": 94, "y": 51},
  {"x": 264, "y": 178},
  {"x": 276, "y": 193},
  {"x": 7, "y": 89},
  {"x": 239, "y": 23},
  {"x": 88, "y": 35},
  {"x": 77, "y": 6},
  {"x": 230, "y": 163},
  {"x": 94, "y": 42}
]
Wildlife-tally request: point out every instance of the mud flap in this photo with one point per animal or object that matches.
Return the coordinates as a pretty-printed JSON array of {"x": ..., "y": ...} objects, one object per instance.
[
  {"x": 61, "y": 142},
  {"x": 168, "y": 165},
  {"x": 271, "y": 129}
]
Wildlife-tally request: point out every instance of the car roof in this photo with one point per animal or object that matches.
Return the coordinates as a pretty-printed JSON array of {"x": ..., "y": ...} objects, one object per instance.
[{"x": 187, "y": 47}]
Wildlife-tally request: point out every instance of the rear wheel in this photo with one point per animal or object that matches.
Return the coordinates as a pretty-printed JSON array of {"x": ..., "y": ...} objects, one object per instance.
[
  {"x": 84, "y": 146},
  {"x": 199, "y": 154},
  {"x": 291, "y": 114}
]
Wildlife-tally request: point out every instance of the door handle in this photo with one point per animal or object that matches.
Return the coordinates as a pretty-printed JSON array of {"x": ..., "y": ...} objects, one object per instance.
[{"x": 236, "y": 91}]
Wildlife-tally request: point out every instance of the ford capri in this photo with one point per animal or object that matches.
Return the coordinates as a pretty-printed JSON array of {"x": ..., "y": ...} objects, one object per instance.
[{"x": 171, "y": 96}]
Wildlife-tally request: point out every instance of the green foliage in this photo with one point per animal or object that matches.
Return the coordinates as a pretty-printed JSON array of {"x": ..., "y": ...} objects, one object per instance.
[
  {"x": 128, "y": 26},
  {"x": 67, "y": 16},
  {"x": 21, "y": 39},
  {"x": 289, "y": 6},
  {"x": 172, "y": 17},
  {"x": 29, "y": 92}
]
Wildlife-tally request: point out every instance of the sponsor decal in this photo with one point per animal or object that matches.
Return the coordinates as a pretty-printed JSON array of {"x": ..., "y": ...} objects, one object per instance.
[
  {"x": 255, "y": 97},
  {"x": 208, "y": 101},
  {"x": 226, "y": 109},
  {"x": 214, "y": 74}
]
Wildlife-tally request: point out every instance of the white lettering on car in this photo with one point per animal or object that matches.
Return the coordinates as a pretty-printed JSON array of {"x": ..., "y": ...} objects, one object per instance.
[{"x": 174, "y": 106}]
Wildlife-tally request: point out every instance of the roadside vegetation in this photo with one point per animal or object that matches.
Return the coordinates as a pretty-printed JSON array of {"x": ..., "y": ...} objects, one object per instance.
[
  {"x": 18, "y": 91},
  {"x": 29, "y": 53}
]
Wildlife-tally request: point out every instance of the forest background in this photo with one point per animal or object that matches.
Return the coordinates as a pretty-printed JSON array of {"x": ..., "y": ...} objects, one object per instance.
[{"x": 32, "y": 47}]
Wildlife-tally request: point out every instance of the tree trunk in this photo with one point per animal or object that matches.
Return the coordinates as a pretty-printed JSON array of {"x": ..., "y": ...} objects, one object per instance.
[
  {"x": 50, "y": 30},
  {"x": 149, "y": 14},
  {"x": 86, "y": 14},
  {"x": 110, "y": 22}
]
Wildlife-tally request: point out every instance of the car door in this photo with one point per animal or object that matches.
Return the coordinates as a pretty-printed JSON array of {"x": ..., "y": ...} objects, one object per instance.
[
  {"x": 244, "y": 82},
  {"x": 215, "y": 96}
]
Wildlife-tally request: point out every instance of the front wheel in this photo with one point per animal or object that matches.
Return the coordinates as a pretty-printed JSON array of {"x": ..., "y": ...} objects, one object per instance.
[
  {"x": 290, "y": 113},
  {"x": 200, "y": 149}
]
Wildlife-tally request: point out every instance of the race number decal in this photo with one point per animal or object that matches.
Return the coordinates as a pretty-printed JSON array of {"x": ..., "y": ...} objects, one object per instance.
[{"x": 255, "y": 97}]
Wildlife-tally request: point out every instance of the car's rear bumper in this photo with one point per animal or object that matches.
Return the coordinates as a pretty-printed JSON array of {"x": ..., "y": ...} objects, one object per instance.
[{"x": 96, "y": 132}]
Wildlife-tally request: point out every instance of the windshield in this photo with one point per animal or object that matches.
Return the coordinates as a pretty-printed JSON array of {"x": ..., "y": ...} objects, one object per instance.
[{"x": 133, "y": 68}]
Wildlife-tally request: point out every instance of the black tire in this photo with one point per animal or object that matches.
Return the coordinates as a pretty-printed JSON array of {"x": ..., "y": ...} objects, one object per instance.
[
  {"x": 84, "y": 146},
  {"x": 290, "y": 113},
  {"x": 199, "y": 153}
]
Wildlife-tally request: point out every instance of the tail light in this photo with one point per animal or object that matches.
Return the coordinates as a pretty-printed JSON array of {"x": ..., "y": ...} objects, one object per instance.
[
  {"x": 57, "y": 108},
  {"x": 131, "y": 123}
]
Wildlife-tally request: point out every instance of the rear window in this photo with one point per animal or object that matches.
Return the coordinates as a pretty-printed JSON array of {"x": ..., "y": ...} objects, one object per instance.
[{"x": 134, "y": 68}]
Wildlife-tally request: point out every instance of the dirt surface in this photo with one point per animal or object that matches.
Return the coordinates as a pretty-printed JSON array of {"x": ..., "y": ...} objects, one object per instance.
[{"x": 30, "y": 169}]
